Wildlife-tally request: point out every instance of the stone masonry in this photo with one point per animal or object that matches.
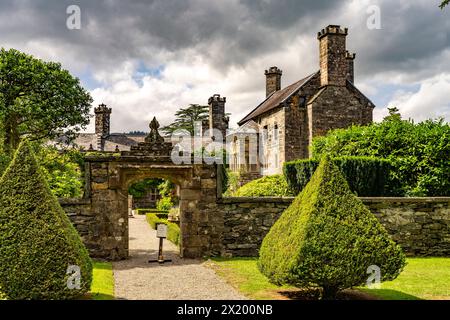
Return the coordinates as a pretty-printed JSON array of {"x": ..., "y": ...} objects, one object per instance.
[{"x": 420, "y": 225}]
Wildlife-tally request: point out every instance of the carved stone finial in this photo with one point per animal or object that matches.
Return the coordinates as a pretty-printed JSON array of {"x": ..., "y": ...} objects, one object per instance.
[{"x": 154, "y": 136}]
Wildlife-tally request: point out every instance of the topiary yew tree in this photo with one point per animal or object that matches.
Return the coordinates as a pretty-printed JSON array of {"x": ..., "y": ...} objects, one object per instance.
[
  {"x": 38, "y": 241},
  {"x": 328, "y": 238}
]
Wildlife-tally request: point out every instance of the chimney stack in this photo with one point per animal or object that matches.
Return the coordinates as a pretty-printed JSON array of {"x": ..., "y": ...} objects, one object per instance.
[
  {"x": 350, "y": 57},
  {"x": 102, "y": 120},
  {"x": 333, "y": 62},
  {"x": 217, "y": 118},
  {"x": 273, "y": 80}
]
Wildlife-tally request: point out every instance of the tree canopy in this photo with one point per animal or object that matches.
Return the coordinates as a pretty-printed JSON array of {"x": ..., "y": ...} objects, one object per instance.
[
  {"x": 444, "y": 3},
  {"x": 186, "y": 117},
  {"x": 38, "y": 100}
]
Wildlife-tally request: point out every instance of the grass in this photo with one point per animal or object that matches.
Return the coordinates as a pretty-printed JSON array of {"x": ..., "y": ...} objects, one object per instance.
[
  {"x": 422, "y": 278},
  {"x": 102, "y": 287},
  {"x": 243, "y": 274}
]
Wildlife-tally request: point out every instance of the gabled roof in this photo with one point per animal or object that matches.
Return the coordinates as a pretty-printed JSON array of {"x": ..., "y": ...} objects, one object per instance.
[
  {"x": 248, "y": 128},
  {"x": 276, "y": 98}
]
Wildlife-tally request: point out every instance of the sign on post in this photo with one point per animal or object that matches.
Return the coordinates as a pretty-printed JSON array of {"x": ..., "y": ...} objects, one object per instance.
[
  {"x": 161, "y": 230},
  {"x": 161, "y": 233}
]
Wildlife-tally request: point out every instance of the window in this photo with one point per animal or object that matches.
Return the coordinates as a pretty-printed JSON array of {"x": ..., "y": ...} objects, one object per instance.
[
  {"x": 275, "y": 134},
  {"x": 265, "y": 134}
]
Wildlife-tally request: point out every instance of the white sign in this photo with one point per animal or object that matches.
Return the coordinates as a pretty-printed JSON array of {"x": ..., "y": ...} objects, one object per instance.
[{"x": 161, "y": 231}]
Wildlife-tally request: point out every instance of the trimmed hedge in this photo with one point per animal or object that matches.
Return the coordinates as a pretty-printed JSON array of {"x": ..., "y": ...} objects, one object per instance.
[
  {"x": 268, "y": 186},
  {"x": 328, "y": 238},
  {"x": 173, "y": 230},
  {"x": 366, "y": 176},
  {"x": 151, "y": 210},
  {"x": 38, "y": 241}
]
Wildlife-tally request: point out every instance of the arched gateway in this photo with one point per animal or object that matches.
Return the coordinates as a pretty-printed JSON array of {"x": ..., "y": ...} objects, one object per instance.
[{"x": 108, "y": 177}]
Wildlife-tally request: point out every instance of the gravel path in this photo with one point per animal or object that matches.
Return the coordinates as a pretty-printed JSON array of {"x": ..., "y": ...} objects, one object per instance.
[{"x": 188, "y": 279}]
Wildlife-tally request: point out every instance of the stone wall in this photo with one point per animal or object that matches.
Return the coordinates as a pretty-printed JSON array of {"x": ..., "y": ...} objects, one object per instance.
[
  {"x": 420, "y": 225},
  {"x": 246, "y": 221},
  {"x": 87, "y": 224}
]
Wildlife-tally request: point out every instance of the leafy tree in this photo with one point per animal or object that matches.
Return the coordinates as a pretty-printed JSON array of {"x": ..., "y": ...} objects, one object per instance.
[
  {"x": 139, "y": 189},
  {"x": 38, "y": 241},
  {"x": 417, "y": 152},
  {"x": 63, "y": 170},
  {"x": 444, "y": 3},
  {"x": 38, "y": 99},
  {"x": 328, "y": 238},
  {"x": 186, "y": 117}
]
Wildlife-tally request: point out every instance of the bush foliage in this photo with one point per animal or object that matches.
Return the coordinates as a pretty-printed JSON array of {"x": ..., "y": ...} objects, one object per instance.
[
  {"x": 366, "y": 176},
  {"x": 139, "y": 189},
  {"x": 38, "y": 241},
  {"x": 418, "y": 152},
  {"x": 268, "y": 186},
  {"x": 63, "y": 169},
  {"x": 328, "y": 238}
]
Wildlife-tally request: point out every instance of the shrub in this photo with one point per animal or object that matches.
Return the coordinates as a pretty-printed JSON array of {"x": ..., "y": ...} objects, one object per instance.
[
  {"x": 4, "y": 160},
  {"x": 268, "y": 186},
  {"x": 62, "y": 170},
  {"x": 38, "y": 241},
  {"x": 151, "y": 210},
  {"x": 173, "y": 230},
  {"x": 328, "y": 238},
  {"x": 164, "y": 204},
  {"x": 418, "y": 152},
  {"x": 366, "y": 176},
  {"x": 232, "y": 183}
]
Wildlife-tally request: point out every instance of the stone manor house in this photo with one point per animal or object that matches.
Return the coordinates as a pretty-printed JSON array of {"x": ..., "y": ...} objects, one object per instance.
[
  {"x": 283, "y": 125},
  {"x": 285, "y": 122}
]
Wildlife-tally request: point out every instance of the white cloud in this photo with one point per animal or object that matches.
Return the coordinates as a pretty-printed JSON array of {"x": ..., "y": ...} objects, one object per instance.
[{"x": 430, "y": 101}]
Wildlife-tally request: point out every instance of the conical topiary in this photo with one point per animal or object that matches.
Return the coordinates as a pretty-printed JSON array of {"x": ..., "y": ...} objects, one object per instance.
[
  {"x": 37, "y": 241},
  {"x": 328, "y": 238}
]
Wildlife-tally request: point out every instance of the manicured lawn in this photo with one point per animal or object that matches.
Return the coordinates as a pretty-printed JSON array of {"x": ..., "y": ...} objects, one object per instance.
[
  {"x": 243, "y": 274},
  {"x": 102, "y": 287},
  {"x": 422, "y": 278}
]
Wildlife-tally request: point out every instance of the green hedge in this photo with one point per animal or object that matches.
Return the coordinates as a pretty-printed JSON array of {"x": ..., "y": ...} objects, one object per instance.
[
  {"x": 366, "y": 176},
  {"x": 418, "y": 151},
  {"x": 152, "y": 210},
  {"x": 269, "y": 186},
  {"x": 37, "y": 240},
  {"x": 173, "y": 230},
  {"x": 328, "y": 238}
]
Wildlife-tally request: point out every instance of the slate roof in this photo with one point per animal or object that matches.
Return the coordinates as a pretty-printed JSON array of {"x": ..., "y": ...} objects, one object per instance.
[{"x": 275, "y": 99}]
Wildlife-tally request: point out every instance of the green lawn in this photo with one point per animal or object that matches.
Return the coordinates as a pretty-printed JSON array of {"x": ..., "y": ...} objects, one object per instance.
[
  {"x": 102, "y": 287},
  {"x": 422, "y": 278}
]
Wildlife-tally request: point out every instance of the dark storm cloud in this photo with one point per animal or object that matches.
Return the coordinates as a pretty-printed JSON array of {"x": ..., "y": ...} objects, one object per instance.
[
  {"x": 228, "y": 33},
  {"x": 413, "y": 37},
  {"x": 114, "y": 30}
]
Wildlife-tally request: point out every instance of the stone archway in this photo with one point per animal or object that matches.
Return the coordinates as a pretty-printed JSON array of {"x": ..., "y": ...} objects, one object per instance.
[{"x": 109, "y": 176}]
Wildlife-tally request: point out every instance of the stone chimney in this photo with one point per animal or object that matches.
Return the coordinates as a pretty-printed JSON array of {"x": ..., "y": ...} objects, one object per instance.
[
  {"x": 333, "y": 62},
  {"x": 102, "y": 120},
  {"x": 217, "y": 118},
  {"x": 350, "y": 57},
  {"x": 273, "y": 80}
]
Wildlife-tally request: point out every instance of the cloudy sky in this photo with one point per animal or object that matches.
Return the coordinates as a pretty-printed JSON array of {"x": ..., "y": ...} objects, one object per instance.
[{"x": 146, "y": 58}]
